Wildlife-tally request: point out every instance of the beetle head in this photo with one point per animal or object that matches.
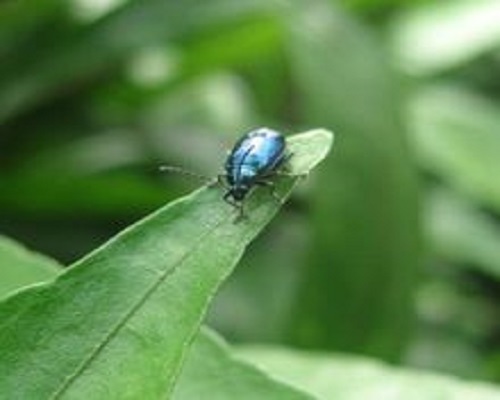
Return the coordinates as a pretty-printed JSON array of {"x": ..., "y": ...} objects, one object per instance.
[{"x": 238, "y": 193}]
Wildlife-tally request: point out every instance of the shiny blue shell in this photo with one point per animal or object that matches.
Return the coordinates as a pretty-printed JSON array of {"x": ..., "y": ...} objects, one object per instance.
[{"x": 254, "y": 157}]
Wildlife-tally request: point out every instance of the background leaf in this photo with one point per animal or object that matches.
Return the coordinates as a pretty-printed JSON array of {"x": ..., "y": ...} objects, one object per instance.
[
  {"x": 353, "y": 378},
  {"x": 356, "y": 292},
  {"x": 459, "y": 232},
  {"x": 432, "y": 38},
  {"x": 211, "y": 371},
  {"x": 456, "y": 135},
  {"x": 20, "y": 267}
]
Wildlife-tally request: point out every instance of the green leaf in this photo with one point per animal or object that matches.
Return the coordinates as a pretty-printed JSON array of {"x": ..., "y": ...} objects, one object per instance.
[
  {"x": 212, "y": 372},
  {"x": 20, "y": 267},
  {"x": 355, "y": 378},
  {"x": 365, "y": 236},
  {"x": 456, "y": 136},
  {"x": 441, "y": 35},
  {"x": 118, "y": 324},
  {"x": 461, "y": 233}
]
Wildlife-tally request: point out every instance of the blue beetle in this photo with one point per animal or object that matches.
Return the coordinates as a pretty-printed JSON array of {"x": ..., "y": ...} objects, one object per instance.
[{"x": 253, "y": 160}]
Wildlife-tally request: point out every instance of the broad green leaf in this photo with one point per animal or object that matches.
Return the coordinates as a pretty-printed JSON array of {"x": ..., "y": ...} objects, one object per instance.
[
  {"x": 118, "y": 324},
  {"x": 20, "y": 267},
  {"x": 357, "y": 290},
  {"x": 212, "y": 372},
  {"x": 441, "y": 35},
  {"x": 460, "y": 232},
  {"x": 456, "y": 136},
  {"x": 355, "y": 378}
]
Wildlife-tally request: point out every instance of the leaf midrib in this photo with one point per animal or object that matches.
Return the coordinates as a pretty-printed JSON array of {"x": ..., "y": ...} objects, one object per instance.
[{"x": 66, "y": 384}]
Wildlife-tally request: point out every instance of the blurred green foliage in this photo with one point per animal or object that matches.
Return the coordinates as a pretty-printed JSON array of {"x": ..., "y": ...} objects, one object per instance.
[{"x": 390, "y": 250}]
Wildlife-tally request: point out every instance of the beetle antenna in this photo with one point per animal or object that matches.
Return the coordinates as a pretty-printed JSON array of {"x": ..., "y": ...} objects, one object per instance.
[{"x": 182, "y": 171}]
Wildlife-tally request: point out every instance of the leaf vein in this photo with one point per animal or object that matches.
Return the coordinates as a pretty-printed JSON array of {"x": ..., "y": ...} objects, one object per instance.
[{"x": 71, "y": 379}]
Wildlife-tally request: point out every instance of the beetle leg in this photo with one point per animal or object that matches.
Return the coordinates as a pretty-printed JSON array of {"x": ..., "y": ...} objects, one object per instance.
[
  {"x": 287, "y": 157},
  {"x": 241, "y": 214},
  {"x": 281, "y": 168},
  {"x": 284, "y": 171},
  {"x": 227, "y": 200},
  {"x": 239, "y": 206},
  {"x": 289, "y": 174},
  {"x": 272, "y": 190}
]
